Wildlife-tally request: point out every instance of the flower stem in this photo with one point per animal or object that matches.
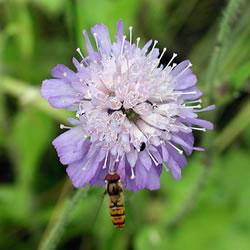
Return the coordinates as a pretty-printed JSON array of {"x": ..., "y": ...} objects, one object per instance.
[
  {"x": 222, "y": 38},
  {"x": 60, "y": 220},
  {"x": 29, "y": 95}
]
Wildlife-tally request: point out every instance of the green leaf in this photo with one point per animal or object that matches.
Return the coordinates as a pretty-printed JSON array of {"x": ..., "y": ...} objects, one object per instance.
[
  {"x": 31, "y": 135},
  {"x": 152, "y": 237},
  {"x": 15, "y": 204},
  {"x": 52, "y": 7},
  {"x": 240, "y": 76}
]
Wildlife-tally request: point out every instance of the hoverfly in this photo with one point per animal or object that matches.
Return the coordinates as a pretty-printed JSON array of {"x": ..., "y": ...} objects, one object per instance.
[{"x": 116, "y": 203}]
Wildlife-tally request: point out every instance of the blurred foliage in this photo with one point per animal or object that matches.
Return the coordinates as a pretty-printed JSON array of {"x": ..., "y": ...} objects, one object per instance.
[{"x": 208, "y": 208}]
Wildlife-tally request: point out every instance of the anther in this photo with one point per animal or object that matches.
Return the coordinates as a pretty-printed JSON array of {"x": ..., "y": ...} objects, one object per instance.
[
  {"x": 173, "y": 57},
  {"x": 173, "y": 66},
  {"x": 155, "y": 42},
  {"x": 80, "y": 52},
  {"x": 137, "y": 41},
  {"x": 64, "y": 127}
]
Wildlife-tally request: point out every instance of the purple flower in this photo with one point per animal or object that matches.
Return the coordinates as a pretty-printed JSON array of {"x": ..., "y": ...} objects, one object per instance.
[{"x": 134, "y": 115}]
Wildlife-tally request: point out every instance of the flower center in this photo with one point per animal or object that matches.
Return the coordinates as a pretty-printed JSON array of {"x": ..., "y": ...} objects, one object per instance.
[{"x": 131, "y": 114}]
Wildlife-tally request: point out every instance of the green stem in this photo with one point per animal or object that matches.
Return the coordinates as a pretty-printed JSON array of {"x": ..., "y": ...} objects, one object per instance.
[
  {"x": 59, "y": 221},
  {"x": 239, "y": 123},
  {"x": 29, "y": 95},
  {"x": 222, "y": 38}
]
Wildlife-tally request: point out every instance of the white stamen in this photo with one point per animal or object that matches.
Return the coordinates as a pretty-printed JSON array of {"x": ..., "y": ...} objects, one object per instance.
[
  {"x": 184, "y": 93},
  {"x": 199, "y": 129},
  {"x": 105, "y": 161},
  {"x": 181, "y": 73},
  {"x": 196, "y": 101},
  {"x": 132, "y": 173},
  {"x": 162, "y": 53},
  {"x": 130, "y": 34},
  {"x": 179, "y": 150},
  {"x": 173, "y": 57},
  {"x": 123, "y": 41},
  {"x": 96, "y": 41},
  {"x": 153, "y": 159},
  {"x": 64, "y": 127},
  {"x": 192, "y": 107},
  {"x": 174, "y": 64},
  {"x": 155, "y": 42},
  {"x": 64, "y": 74},
  {"x": 117, "y": 158},
  {"x": 137, "y": 41},
  {"x": 80, "y": 52}
]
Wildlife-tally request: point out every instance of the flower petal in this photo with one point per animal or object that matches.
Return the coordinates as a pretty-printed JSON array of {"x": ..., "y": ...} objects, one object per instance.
[{"x": 100, "y": 31}]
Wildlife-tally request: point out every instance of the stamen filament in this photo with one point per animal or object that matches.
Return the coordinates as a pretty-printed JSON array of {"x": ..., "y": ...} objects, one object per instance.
[
  {"x": 179, "y": 150},
  {"x": 105, "y": 161},
  {"x": 80, "y": 53},
  {"x": 155, "y": 42},
  {"x": 162, "y": 53},
  {"x": 62, "y": 126},
  {"x": 137, "y": 41},
  {"x": 199, "y": 129},
  {"x": 153, "y": 159},
  {"x": 130, "y": 34},
  {"x": 123, "y": 41},
  {"x": 173, "y": 57},
  {"x": 132, "y": 173},
  {"x": 96, "y": 41},
  {"x": 182, "y": 72},
  {"x": 190, "y": 102},
  {"x": 192, "y": 107}
]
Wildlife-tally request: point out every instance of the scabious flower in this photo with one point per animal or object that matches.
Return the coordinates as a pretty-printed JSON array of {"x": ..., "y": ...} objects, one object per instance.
[{"x": 134, "y": 115}]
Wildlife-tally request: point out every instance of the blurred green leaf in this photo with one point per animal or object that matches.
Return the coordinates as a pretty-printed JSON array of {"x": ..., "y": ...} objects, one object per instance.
[
  {"x": 32, "y": 132},
  {"x": 239, "y": 77},
  {"x": 20, "y": 18},
  {"x": 15, "y": 204},
  {"x": 152, "y": 237},
  {"x": 49, "y": 6}
]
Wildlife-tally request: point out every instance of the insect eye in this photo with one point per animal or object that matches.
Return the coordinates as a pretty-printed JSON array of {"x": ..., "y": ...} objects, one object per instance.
[{"x": 142, "y": 146}]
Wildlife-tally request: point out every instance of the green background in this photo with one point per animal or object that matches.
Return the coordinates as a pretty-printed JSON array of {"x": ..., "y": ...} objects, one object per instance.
[{"x": 208, "y": 209}]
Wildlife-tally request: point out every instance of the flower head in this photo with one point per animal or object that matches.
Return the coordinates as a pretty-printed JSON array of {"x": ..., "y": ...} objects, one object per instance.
[{"x": 133, "y": 114}]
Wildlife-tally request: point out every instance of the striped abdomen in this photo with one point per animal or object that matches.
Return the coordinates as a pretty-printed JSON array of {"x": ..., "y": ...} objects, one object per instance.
[{"x": 116, "y": 206}]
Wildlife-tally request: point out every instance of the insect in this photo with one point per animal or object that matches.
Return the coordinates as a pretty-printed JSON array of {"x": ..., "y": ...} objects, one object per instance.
[{"x": 116, "y": 204}]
